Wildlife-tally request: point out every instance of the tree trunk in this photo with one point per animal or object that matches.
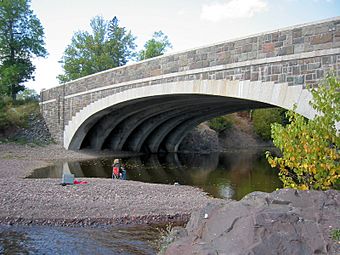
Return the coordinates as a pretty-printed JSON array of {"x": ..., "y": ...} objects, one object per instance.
[
  {"x": 14, "y": 94},
  {"x": 12, "y": 57}
]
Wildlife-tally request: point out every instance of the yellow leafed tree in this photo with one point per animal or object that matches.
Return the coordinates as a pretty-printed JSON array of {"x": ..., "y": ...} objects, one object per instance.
[{"x": 310, "y": 148}]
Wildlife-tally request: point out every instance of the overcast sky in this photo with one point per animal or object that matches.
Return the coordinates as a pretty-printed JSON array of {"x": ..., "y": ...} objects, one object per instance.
[{"x": 188, "y": 23}]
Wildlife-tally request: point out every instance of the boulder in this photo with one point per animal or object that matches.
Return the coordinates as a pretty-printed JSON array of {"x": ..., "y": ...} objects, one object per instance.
[{"x": 282, "y": 222}]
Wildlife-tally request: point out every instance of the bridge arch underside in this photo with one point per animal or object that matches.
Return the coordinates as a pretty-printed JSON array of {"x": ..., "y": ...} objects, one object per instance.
[{"x": 154, "y": 124}]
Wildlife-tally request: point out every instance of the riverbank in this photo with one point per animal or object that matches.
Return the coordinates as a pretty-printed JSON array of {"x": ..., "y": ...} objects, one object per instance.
[{"x": 99, "y": 202}]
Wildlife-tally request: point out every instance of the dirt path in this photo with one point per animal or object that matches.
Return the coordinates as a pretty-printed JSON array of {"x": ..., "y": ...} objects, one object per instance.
[{"x": 101, "y": 201}]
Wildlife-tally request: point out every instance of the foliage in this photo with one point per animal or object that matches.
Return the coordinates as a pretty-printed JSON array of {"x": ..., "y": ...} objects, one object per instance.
[
  {"x": 156, "y": 46},
  {"x": 21, "y": 39},
  {"x": 221, "y": 123},
  {"x": 310, "y": 149},
  {"x": 27, "y": 95},
  {"x": 263, "y": 118},
  {"x": 335, "y": 234},
  {"x": 107, "y": 46},
  {"x": 16, "y": 113},
  {"x": 165, "y": 238}
]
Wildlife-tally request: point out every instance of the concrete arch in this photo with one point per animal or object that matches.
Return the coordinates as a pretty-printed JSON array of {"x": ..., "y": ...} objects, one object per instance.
[
  {"x": 140, "y": 134},
  {"x": 280, "y": 95},
  {"x": 126, "y": 127},
  {"x": 102, "y": 129}
]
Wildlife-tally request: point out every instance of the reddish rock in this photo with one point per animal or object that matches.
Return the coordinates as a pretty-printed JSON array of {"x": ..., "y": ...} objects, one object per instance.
[
  {"x": 268, "y": 47},
  {"x": 283, "y": 222}
]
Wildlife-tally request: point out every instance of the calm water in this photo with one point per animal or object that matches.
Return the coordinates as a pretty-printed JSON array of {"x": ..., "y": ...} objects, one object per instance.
[
  {"x": 62, "y": 240},
  {"x": 223, "y": 175}
]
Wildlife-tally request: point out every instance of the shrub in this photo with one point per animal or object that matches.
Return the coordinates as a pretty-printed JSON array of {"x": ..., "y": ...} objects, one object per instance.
[
  {"x": 335, "y": 234},
  {"x": 263, "y": 118},
  {"x": 16, "y": 114},
  {"x": 310, "y": 148},
  {"x": 221, "y": 123}
]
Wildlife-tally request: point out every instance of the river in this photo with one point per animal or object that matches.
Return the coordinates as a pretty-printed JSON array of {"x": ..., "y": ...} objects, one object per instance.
[{"x": 230, "y": 174}]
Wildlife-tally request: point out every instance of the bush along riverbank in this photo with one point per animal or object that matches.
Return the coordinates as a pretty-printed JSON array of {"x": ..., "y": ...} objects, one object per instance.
[
  {"x": 233, "y": 131},
  {"x": 22, "y": 122}
]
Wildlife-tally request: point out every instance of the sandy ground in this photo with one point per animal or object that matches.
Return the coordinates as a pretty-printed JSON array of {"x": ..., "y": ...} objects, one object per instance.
[{"x": 101, "y": 201}]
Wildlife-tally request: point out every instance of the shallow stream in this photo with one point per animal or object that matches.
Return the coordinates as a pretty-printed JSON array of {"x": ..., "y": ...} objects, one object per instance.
[
  {"x": 224, "y": 175},
  {"x": 75, "y": 240},
  {"x": 230, "y": 174}
]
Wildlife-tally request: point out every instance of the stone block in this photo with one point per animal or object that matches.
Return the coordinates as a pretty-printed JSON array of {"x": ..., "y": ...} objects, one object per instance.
[
  {"x": 322, "y": 38},
  {"x": 337, "y": 36},
  {"x": 309, "y": 77},
  {"x": 282, "y": 38},
  {"x": 252, "y": 55},
  {"x": 313, "y": 66},
  {"x": 276, "y": 69},
  {"x": 326, "y": 60},
  {"x": 254, "y": 76},
  {"x": 300, "y": 79},
  {"x": 275, "y": 78},
  {"x": 243, "y": 57},
  {"x": 219, "y": 75},
  {"x": 278, "y": 44},
  {"x": 297, "y": 33},
  {"x": 275, "y": 37},
  {"x": 298, "y": 40},
  {"x": 320, "y": 74},
  {"x": 268, "y": 47},
  {"x": 247, "y": 48},
  {"x": 156, "y": 72},
  {"x": 321, "y": 28},
  {"x": 282, "y": 78},
  {"x": 267, "y": 38},
  {"x": 299, "y": 48},
  {"x": 304, "y": 68},
  {"x": 296, "y": 70},
  {"x": 286, "y": 50},
  {"x": 246, "y": 75}
]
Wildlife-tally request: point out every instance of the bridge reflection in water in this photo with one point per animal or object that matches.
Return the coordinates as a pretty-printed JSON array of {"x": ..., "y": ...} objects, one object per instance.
[{"x": 225, "y": 175}]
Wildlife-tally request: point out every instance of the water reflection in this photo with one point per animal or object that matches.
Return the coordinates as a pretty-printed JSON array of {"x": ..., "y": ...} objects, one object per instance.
[
  {"x": 224, "y": 175},
  {"x": 61, "y": 240}
]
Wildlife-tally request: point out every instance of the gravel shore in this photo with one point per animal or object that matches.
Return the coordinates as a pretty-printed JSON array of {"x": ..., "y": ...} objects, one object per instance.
[{"x": 101, "y": 201}]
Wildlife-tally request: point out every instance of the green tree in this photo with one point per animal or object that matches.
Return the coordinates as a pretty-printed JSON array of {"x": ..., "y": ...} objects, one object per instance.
[
  {"x": 21, "y": 39},
  {"x": 263, "y": 118},
  {"x": 221, "y": 123},
  {"x": 310, "y": 148},
  {"x": 156, "y": 46},
  {"x": 107, "y": 46}
]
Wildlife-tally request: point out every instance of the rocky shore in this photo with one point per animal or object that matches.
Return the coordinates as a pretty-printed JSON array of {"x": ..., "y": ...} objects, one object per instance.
[
  {"x": 100, "y": 201},
  {"x": 282, "y": 222}
]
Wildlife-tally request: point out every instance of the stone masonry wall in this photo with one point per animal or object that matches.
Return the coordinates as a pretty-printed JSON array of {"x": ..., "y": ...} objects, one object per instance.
[{"x": 298, "y": 55}]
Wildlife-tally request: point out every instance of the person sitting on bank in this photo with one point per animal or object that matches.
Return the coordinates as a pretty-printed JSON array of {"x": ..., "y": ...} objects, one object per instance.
[
  {"x": 116, "y": 169},
  {"x": 123, "y": 173}
]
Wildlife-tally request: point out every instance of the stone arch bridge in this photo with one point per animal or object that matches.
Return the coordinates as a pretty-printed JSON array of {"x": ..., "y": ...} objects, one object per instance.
[{"x": 151, "y": 105}]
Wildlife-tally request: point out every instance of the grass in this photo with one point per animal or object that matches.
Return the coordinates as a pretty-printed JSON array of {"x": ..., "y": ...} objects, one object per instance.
[
  {"x": 164, "y": 238},
  {"x": 16, "y": 114},
  {"x": 335, "y": 234}
]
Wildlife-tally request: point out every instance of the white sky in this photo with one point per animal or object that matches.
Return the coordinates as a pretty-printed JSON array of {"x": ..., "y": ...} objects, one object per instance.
[{"x": 188, "y": 23}]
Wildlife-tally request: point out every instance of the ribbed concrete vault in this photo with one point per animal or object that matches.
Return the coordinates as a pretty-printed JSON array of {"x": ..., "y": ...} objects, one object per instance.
[{"x": 157, "y": 123}]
